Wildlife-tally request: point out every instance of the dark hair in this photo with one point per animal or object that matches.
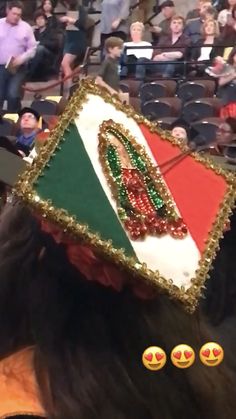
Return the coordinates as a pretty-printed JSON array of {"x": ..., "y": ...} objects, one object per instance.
[
  {"x": 52, "y": 4},
  {"x": 40, "y": 13},
  {"x": 211, "y": 11},
  {"x": 15, "y": 3},
  {"x": 89, "y": 339},
  {"x": 112, "y": 42}
]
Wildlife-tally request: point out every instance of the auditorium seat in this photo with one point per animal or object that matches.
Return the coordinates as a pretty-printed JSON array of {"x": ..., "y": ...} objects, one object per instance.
[
  {"x": 191, "y": 90},
  {"x": 201, "y": 108},
  {"x": 207, "y": 128},
  {"x": 165, "y": 107},
  {"x": 166, "y": 122},
  {"x": 131, "y": 86},
  {"x": 156, "y": 89}
]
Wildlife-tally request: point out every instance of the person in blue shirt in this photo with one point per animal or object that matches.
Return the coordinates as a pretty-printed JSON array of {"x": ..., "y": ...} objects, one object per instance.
[{"x": 29, "y": 128}]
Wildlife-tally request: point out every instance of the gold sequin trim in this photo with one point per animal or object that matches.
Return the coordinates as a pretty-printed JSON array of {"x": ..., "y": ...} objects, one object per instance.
[{"x": 25, "y": 190}]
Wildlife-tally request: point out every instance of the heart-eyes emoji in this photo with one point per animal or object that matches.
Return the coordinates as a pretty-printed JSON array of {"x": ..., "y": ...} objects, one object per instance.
[
  {"x": 154, "y": 358},
  {"x": 182, "y": 356},
  {"x": 211, "y": 354}
]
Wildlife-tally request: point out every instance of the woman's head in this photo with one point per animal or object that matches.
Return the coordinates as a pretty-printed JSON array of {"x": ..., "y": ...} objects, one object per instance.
[
  {"x": 47, "y": 6},
  {"x": 226, "y": 131},
  {"x": 210, "y": 28},
  {"x": 180, "y": 133},
  {"x": 136, "y": 31},
  {"x": 231, "y": 3},
  {"x": 89, "y": 339}
]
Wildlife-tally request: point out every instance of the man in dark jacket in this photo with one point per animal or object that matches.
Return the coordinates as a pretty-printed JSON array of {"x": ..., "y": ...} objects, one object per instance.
[{"x": 168, "y": 54}]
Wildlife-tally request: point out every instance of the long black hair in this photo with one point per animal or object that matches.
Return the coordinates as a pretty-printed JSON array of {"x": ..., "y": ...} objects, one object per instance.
[{"x": 89, "y": 339}]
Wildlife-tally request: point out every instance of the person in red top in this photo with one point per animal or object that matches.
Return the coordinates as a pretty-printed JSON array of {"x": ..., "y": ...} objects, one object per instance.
[{"x": 170, "y": 49}]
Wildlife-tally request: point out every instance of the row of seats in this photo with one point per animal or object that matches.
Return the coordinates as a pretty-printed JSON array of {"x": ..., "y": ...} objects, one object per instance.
[
  {"x": 157, "y": 89},
  {"x": 172, "y": 106}
]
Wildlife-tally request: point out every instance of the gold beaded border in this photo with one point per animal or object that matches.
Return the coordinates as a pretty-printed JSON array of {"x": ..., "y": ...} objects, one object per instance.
[{"x": 25, "y": 190}]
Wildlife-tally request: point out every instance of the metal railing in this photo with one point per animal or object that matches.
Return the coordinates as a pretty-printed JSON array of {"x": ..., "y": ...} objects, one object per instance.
[{"x": 186, "y": 62}]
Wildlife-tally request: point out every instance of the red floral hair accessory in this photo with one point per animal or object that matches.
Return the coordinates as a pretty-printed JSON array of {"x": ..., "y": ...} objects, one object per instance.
[{"x": 93, "y": 267}]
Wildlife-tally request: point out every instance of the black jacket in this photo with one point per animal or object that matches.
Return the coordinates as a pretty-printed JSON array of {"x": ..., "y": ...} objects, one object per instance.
[
  {"x": 196, "y": 50},
  {"x": 48, "y": 38}
]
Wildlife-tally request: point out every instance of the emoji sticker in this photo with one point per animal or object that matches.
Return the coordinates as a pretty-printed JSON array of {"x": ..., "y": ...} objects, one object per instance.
[
  {"x": 154, "y": 358},
  {"x": 182, "y": 356},
  {"x": 211, "y": 354}
]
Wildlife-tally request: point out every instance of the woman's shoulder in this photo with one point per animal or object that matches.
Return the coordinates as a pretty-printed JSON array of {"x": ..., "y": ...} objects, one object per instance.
[{"x": 17, "y": 377}]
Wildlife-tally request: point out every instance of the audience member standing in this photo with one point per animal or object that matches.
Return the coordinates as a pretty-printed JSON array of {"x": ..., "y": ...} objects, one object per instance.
[
  {"x": 75, "y": 38},
  {"x": 48, "y": 9},
  {"x": 17, "y": 44},
  {"x": 114, "y": 19}
]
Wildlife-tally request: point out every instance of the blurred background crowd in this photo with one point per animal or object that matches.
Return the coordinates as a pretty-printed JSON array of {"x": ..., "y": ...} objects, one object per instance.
[{"x": 174, "y": 63}]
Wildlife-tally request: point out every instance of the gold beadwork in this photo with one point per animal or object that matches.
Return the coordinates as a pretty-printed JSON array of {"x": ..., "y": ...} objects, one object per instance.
[{"x": 25, "y": 190}]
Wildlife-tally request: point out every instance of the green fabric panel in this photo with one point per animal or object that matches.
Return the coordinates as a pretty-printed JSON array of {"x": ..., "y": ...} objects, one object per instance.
[{"x": 71, "y": 183}]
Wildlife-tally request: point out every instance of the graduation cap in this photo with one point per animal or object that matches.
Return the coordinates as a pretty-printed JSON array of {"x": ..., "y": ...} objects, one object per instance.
[
  {"x": 130, "y": 213},
  {"x": 192, "y": 133},
  {"x": 29, "y": 110}
]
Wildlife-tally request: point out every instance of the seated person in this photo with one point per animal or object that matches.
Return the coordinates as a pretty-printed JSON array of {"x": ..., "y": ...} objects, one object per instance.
[
  {"x": 29, "y": 128},
  {"x": 228, "y": 34},
  {"x": 47, "y": 49},
  {"x": 194, "y": 26},
  {"x": 162, "y": 61},
  {"x": 130, "y": 56},
  {"x": 207, "y": 48},
  {"x": 181, "y": 130},
  {"x": 226, "y": 13},
  {"x": 163, "y": 28},
  {"x": 195, "y": 13},
  {"x": 227, "y": 87},
  {"x": 225, "y": 137},
  {"x": 108, "y": 75}
]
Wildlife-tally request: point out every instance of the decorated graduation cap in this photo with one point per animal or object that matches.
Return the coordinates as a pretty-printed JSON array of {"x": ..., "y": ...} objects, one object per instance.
[
  {"x": 132, "y": 204},
  {"x": 29, "y": 110}
]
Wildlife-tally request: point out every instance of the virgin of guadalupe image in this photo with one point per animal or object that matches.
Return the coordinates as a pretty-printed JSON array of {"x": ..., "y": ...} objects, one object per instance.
[{"x": 144, "y": 204}]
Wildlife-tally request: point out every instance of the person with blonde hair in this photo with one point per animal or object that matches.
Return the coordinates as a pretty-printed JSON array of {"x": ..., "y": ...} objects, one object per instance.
[
  {"x": 208, "y": 47},
  {"x": 135, "y": 49}
]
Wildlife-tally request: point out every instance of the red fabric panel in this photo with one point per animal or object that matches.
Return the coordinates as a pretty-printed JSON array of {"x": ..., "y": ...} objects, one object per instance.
[{"x": 197, "y": 191}]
